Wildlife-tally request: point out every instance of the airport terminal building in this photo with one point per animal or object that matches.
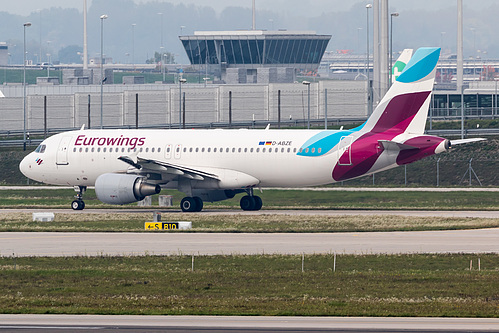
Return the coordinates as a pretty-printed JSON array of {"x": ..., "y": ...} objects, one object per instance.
[{"x": 255, "y": 56}]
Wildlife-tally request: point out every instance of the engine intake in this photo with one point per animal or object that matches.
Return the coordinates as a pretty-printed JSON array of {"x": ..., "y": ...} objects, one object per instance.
[{"x": 118, "y": 189}]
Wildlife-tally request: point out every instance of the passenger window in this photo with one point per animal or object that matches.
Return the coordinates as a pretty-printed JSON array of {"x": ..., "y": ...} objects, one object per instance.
[
  {"x": 152, "y": 150},
  {"x": 86, "y": 150},
  {"x": 319, "y": 150},
  {"x": 233, "y": 150},
  {"x": 294, "y": 150},
  {"x": 159, "y": 150},
  {"x": 202, "y": 150},
  {"x": 257, "y": 150},
  {"x": 245, "y": 150},
  {"x": 98, "y": 150},
  {"x": 226, "y": 150},
  {"x": 197, "y": 150},
  {"x": 81, "y": 149},
  {"x": 147, "y": 150},
  {"x": 263, "y": 150},
  {"x": 270, "y": 150},
  {"x": 313, "y": 150},
  {"x": 74, "y": 150},
  {"x": 289, "y": 150},
  {"x": 301, "y": 150},
  {"x": 185, "y": 149},
  {"x": 282, "y": 150},
  {"x": 104, "y": 150},
  {"x": 214, "y": 150},
  {"x": 251, "y": 150},
  {"x": 190, "y": 150},
  {"x": 92, "y": 150},
  {"x": 209, "y": 150}
]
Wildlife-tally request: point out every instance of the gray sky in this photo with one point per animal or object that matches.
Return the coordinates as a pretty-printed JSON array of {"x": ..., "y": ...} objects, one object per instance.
[{"x": 301, "y": 7}]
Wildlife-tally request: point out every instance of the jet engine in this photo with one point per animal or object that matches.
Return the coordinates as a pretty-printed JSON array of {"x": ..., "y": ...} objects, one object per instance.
[{"x": 120, "y": 189}]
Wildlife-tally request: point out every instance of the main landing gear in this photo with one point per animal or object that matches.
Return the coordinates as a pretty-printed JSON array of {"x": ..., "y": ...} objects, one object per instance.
[
  {"x": 78, "y": 203},
  {"x": 191, "y": 204},
  {"x": 251, "y": 202}
]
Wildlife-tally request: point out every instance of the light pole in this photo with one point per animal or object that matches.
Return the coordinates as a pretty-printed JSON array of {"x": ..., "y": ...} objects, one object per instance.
[
  {"x": 161, "y": 14},
  {"x": 180, "y": 81},
  {"x": 133, "y": 45},
  {"x": 307, "y": 83},
  {"x": 392, "y": 15},
  {"x": 369, "y": 111},
  {"x": 474, "y": 51},
  {"x": 27, "y": 24},
  {"x": 182, "y": 27},
  {"x": 102, "y": 18},
  {"x": 162, "y": 62}
]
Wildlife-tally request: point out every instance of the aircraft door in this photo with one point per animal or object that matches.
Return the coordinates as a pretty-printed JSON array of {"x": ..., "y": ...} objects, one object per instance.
[
  {"x": 178, "y": 150},
  {"x": 345, "y": 151},
  {"x": 168, "y": 151},
  {"x": 62, "y": 151}
]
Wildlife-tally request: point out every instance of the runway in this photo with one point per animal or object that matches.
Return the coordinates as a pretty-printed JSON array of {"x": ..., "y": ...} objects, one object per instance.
[
  {"x": 50, "y": 323},
  {"x": 91, "y": 244}
]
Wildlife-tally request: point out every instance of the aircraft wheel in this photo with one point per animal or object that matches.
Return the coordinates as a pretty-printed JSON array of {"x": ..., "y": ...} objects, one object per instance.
[
  {"x": 258, "y": 203},
  {"x": 247, "y": 202},
  {"x": 78, "y": 205},
  {"x": 188, "y": 204},
  {"x": 199, "y": 204}
]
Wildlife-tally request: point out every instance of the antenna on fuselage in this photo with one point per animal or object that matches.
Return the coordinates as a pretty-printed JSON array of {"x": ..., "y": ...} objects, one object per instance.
[{"x": 82, "y": 127}]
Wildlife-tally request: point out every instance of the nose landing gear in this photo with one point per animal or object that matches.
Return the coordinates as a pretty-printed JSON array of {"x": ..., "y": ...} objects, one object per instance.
[{"x": 78, "y": 203}]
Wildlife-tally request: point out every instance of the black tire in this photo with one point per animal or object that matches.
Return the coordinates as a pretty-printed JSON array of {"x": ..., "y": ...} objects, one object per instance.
[
  {"x": 188, "y": 204},
  {"x": 247, "y": 202},
  {"x": 77, "y": 205},
  {"x": 199, "y": 204},
  {"x": 258, "y": 203}
]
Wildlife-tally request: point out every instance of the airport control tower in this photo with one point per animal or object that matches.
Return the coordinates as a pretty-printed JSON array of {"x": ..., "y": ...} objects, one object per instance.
[{"x": 255, "y": 56}]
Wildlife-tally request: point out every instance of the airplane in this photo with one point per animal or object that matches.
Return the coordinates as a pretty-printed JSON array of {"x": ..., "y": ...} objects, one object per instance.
[{"x": 212, "y": 165}]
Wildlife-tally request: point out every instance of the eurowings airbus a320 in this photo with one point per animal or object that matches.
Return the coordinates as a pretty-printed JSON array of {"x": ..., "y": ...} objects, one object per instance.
[{"x": 212, "y": 165}]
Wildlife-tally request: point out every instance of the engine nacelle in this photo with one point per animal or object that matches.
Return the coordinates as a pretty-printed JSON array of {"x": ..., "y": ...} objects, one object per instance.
[{"x": 120, "y": 189}]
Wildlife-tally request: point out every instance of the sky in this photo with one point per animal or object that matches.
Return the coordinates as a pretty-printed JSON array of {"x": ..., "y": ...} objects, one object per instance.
[{"x": 303, "y": 7}]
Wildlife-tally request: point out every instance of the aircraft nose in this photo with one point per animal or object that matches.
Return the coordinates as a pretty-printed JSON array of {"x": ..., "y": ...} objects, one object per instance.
[{"x": 25, "y": 165}]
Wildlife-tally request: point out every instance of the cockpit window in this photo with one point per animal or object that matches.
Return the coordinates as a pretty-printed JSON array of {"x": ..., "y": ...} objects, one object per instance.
[{"x": 40, "y": 149}]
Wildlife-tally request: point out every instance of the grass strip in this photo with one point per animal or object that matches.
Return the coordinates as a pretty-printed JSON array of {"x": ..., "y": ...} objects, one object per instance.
[
  {"x": 362, "y": 285},
  {"x": 280, "y": 199},
  {"x": 134, "y": 222}
]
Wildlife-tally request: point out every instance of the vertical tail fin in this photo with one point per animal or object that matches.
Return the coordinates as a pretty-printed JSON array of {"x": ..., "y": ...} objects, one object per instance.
[
  {"x": 404, "y": 108},
  {"x": 400, "y": 64}
]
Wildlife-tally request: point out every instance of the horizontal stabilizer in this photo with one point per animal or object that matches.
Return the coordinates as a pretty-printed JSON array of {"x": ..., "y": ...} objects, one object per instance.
[
  {"x": 392, "y": 145},
  {"x": 463, "y": 141}
]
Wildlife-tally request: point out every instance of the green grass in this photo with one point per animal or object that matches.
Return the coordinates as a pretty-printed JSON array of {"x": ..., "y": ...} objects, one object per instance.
[
  {"x": 134, "y": 222},
  {"x": 280, "y": 199},
  {"x": 372, "y": 285}
]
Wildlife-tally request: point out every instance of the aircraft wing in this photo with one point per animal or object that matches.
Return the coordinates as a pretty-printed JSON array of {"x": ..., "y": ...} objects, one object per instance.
[{"x": 145, "y": 165}]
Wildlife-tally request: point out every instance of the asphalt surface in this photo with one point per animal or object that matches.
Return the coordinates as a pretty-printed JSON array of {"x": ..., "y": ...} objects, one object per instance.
[
  {"x": 91, "y": 323},
  {"x": 91, "y": 244}
]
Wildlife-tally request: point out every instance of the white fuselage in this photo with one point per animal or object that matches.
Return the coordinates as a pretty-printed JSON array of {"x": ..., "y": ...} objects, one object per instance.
[{"x": 271, "y": 156}]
